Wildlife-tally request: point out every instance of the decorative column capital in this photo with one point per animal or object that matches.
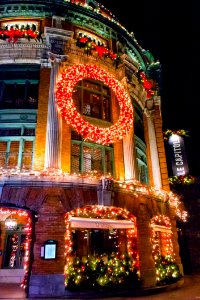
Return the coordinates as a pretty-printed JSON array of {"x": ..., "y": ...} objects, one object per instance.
[
  {"x": 56, "y": 58},
  {"x": 57, "y": 39}
]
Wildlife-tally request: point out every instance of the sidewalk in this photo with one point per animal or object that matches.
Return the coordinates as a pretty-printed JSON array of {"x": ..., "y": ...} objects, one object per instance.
[{"x": 187, "y": 290}]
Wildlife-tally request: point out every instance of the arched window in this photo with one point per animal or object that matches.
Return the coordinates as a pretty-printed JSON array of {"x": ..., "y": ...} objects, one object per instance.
[{"x": 93, "y": 99}]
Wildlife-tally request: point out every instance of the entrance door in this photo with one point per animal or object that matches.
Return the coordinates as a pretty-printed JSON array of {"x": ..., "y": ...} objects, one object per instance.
[{"x": 14, "y": 249}]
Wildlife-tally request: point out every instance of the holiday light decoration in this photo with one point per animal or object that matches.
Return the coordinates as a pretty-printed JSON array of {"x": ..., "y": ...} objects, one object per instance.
[
  {"x": 104, "y": 12},
  {"x": 181, "y": 132},
  {"x": 147, "y": 84},
  {"x": 167, "y": 270},
  {"x": 137, "y": 188},
  {"x": 134, "y": 186},
  {"x": 104, "y": 136},
  {"x": 28, "y": 232},
  {"x": 108, "y": 270},
  {"x": 174, "y": 201},
  {"x": 91, "y": 46},
  {"x": 182, "y": 180},
  {"x": 16, "y": 32},
  {"x": 102, "y": 272},
  {"x": 10, "y": 224}
]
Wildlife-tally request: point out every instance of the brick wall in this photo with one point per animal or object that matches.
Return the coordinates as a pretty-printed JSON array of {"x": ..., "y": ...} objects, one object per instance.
[{"x": 40, "y": 140}]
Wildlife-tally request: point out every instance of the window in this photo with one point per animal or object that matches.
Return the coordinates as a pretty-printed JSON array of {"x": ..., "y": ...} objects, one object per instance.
[
  {"x": 16, "y": 153},
  {"x": 19, "y": 86},
  {"x": 96, "y": 242},
  {"x": 142, "y": 170},
  {"x": 161, "y": 236},
  {"x": 138, "y": 122},
  {"x": 88, "y": 157},
  {"x": 93, "y": 98}
]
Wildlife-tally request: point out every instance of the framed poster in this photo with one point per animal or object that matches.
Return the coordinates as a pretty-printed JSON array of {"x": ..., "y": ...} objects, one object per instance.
[{"x": 50, "y": 248}]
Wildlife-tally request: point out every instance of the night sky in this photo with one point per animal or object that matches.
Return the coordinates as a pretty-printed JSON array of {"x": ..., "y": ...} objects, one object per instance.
[{"x": 170, "y": 30}]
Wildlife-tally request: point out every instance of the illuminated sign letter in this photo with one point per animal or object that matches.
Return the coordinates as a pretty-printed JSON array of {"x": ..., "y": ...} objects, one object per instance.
[{"x": 178, "y": 155}]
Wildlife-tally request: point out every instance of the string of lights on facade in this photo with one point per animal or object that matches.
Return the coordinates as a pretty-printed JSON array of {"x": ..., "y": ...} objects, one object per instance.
[{"x": 85, "y": 200}]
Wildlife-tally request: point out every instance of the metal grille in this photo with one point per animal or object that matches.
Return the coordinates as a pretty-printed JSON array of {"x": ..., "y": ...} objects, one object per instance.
[
  {"x": 3, "y": 147},
  {"x": 97, "y": 160},
  {"x": 27, "y": 155},
  {"x": 75, "y": 158},
  {"x": 108, "y": 161},
  {"x": 13, "y": 154},
  {"x": 87, "y": 159}
]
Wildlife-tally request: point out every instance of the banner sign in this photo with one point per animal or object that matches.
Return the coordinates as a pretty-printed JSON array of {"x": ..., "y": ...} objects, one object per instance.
[
  {"x": 178, "y": 155},
  {"x": 77, "y": 222}
]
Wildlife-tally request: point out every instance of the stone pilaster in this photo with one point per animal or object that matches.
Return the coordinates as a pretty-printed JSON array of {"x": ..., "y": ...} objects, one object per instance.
[
  {"x": 153, "y": 151},
  {"x": 147, "y": 266},
  {"x": 129, "y": 162},
  {"x": 57, "y": 39}
]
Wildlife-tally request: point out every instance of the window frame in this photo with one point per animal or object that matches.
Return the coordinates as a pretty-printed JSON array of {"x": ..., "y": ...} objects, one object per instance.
[
  {"x": 21, "y": 140},
  {"x": 104, "y": 109},
  {"x": 93, "y": 146}
]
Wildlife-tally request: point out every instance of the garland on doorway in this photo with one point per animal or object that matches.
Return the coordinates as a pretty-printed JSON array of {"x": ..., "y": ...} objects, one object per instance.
[
  {"x": 102, "y": 271},
  {"x": 28, "y": 241},
  {"x": 167, "y": 271}
]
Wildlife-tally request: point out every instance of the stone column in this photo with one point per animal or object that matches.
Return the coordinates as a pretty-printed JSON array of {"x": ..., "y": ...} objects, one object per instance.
[
  {"x": 57, "y": 39},
  {"x": 153, "y": 150},
  {"x": 54, "y": 121},
  {"x": 129, "y": 162},
  {"x": 147, "y": 265}
]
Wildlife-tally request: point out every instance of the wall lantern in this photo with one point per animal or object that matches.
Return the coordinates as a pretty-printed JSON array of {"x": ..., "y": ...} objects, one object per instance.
[{"x": 11, "y": 224}]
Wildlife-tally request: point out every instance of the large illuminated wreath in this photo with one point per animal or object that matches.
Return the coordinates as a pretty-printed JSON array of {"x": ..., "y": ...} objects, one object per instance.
[{"x": 64, "y": 91}]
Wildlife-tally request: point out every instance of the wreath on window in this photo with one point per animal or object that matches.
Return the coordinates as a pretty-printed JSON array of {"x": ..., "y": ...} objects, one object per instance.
[{"x": 64, "y": 91}]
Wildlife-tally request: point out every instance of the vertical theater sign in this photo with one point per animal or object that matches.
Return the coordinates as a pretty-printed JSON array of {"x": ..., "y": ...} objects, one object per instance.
[{"x": 178, "y": 155}]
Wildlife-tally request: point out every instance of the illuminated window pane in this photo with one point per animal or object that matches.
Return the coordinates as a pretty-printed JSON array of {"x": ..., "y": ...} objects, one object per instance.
[{"x": 92, "y": 98}]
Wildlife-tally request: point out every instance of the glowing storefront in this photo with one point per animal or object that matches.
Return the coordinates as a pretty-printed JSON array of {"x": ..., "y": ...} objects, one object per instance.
[{"x": 85, "y": 199}]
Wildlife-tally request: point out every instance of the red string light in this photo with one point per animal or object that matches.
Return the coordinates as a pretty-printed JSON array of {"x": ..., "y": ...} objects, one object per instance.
[{"x": 104, "y": 136}]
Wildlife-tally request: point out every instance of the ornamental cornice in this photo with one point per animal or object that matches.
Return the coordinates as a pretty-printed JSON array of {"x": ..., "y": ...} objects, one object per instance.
[
  {"x": 22, "y": 52},
  {"x": 21, "y": 10},
  {"x": 102, "y": 29},
  {"x": 85, "y": 21}
]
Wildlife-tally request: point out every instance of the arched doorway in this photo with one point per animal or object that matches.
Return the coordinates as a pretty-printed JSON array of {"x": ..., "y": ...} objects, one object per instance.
[
  {"x": 101, "y": 248},
  {"x": 15, "y": 245}
]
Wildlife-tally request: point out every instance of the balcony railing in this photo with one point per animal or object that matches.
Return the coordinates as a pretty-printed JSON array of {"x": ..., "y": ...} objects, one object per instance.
[{"x": 22, "y": 50}]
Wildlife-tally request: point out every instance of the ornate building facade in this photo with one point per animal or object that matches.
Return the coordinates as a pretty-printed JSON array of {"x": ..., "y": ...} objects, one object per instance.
[{"x": 83, "y": 174}]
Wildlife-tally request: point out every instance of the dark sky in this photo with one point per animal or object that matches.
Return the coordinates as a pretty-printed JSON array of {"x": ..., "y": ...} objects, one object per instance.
[{"x": 170, "y": 30}]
